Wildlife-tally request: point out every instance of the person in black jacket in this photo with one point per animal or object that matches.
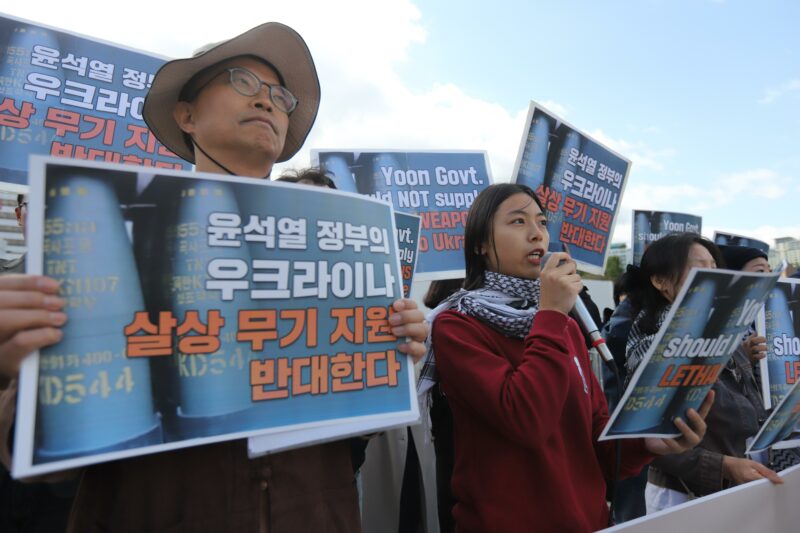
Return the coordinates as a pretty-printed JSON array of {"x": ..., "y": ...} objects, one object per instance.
[
  {"x": 629, "y": 493},
  {"x": 718, "y": 462}
]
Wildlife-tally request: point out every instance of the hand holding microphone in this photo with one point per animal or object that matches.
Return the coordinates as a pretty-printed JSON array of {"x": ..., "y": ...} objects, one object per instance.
[{"x": 561, "y": 282}]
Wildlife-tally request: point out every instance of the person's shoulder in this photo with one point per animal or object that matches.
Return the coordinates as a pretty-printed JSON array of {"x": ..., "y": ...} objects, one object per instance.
[
  {"x": 626, "y": 309},
  {"x": 622, "y": 319},
  {"x": 452, "y": 317},
  {"x": 452, "y": 323},
  {"x": 453, "y": 313}
]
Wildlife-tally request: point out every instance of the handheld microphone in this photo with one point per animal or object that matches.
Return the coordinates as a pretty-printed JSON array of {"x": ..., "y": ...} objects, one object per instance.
[{"x": 587, "y": 324}]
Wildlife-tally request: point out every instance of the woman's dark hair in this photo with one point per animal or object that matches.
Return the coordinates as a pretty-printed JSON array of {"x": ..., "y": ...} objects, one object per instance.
[
  {"x": 736, "y": 257},
  {"x": 441, "y": 289},
  {"x": 479, "y": 228},
  {"x": 666, "y": 258}
]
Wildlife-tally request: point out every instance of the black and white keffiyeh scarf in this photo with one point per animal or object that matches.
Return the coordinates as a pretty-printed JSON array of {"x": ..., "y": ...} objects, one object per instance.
[
  {"x": 505, "y": 303},
  {"x": 639, "y": 342}
]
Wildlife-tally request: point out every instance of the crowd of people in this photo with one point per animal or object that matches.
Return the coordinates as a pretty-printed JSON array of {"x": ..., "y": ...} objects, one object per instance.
[
  {"x": 719, "y": 461},
  {"x": 516, "y": 407}
]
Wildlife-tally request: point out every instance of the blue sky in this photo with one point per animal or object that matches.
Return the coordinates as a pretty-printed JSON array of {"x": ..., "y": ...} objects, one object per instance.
[
  {"x": 703, "y": 96},
  {"x": 699, "y": 94}
]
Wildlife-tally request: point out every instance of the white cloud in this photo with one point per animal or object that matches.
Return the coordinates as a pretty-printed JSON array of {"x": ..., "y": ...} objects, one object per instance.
[
  {"x": 357, "y": 46},
  {"x": 622, "y": 232},
  {"x": 443, "y": 117},
  {"x": 773, "y": 93},
  {"x": 758, "y": 183},
  {"x": 761, "y": 183},
  {"x": 766, "y": 233},
  {"x": 555, "y": 107},
  {"x": 641, "y": 155},
  {"x": 377, "y": 30},
  {"x": 659, "y": 197},
  {"x": 728, "y": 192}
]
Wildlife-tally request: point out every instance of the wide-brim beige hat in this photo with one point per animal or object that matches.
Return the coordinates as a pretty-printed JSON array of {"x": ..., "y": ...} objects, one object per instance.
[{"x": 273, "y": 42}]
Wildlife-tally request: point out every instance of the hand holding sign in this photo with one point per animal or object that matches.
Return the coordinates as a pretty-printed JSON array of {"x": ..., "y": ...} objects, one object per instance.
[
  {"x": 740, "y": 470},
  {"x": 756, "y": 348},
  {"x": 30, "y": 315},
  {"x": 691, "y": 435},
  {"x": 409, "y": 321}
]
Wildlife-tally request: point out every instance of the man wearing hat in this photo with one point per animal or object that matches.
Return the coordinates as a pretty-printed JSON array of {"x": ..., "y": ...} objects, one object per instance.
[
  {"x": 236, "y": 107},
  {"x": 239, "y": 106}
]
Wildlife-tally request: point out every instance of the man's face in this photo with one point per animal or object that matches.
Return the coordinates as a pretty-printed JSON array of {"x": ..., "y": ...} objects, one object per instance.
[{"x": 231, "y": 126}]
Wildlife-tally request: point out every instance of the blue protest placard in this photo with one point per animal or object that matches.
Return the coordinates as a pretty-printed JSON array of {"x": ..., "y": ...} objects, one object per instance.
[
  {"x": 649, "y": 226},
  {"x": 780, "y": 428},
  {"x": 781, "y": 321},
  {"x": 578, "y": 181},
  {"x": 731, "y": 239},
  {"x": 704, "y": 326},
  {"x": 407, "y": 232},
  {"x": 72, "y": 96},
  {"x": 204, "y": 308},
  {"x": 438, "y": 186}
]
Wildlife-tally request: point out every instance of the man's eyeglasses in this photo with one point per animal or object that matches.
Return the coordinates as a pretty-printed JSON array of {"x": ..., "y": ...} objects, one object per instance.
[
  {"x": 22, "y": 204},
  {"x": 248, "y": 84}
]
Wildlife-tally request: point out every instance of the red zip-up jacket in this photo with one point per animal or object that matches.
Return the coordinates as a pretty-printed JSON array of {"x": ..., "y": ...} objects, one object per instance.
[{"x": 527, "y": 414}]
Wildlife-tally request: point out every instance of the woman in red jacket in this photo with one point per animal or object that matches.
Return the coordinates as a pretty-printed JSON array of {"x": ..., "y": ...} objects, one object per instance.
[{"x": 527, "y": 409}]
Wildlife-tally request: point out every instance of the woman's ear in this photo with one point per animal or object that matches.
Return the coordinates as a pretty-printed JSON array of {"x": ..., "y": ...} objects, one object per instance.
[{"x": 663, "y": 286}]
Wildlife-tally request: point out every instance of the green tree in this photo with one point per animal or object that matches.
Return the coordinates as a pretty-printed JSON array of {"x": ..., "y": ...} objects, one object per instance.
[{"x": 613, "y": 268}]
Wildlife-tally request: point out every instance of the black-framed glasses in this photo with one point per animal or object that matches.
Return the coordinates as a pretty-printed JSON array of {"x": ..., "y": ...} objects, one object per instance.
[
  {"x": 22, "y": 204},
  {"x": 248, "y": 84}
]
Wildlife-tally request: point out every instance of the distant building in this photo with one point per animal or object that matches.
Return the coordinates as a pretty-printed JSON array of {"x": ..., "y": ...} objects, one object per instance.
[
  {"x": 621, "y": 250},
  {"x": 785, "y": 249}
]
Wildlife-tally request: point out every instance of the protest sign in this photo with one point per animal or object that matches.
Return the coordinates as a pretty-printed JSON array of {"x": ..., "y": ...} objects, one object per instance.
[
  {"x": 759, "y": 505},
  {"x": 438, "y": 186},
  {"x": 72, "y": 96},
  {"x": 730, "y": 239},
  {"x": 704, "y": 326},
  {"x": 781, "y": 321},
  {"x": 578, "y": 181},
  {"x": 407, "y": 232},
  {"x": 204, "y": 308},
  {"x": 649, "y": 226},
  {"x": 777, "y": 431},
  {"x": 325, "y": 432}
]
